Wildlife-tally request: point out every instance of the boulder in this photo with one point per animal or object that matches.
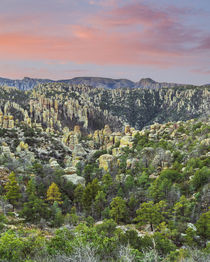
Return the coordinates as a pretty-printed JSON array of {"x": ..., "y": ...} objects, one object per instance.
[
  {"x": 153, "y": 176},
  {"x": 126, "y": 141},
  {"x": 53, "y": 163},
  {"x": 4, "y": 173},
  {"x": 74, "y": 179},
  {"x": 107, "y": 162},
  {"x": 116, "y": 151},
  {"x": 107, "y": 131},
  {"x": 22, "y": 146},
  {"x": 148, "y": 154},
  {"x": 205, "y": 142},
  {"x": 132, "y": 163},
  {"x": 127, "y": 129},
  {"x": 79, "y": 150},
  {"x": 70, "y": 170},
  {"x": 6, "y": 150}
]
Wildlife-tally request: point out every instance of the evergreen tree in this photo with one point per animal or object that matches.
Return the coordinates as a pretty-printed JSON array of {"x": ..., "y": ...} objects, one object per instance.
[
  {"x": 78, "y": 195},
  {"x": 107, "y": 182},
  {"x": 100, "y": 201},
  {"x": 150, "y": 213},
  {"x": 35, "y": 208},
  {"x": 31, "y": 187},
  {"x": 203, "y": 225},
  {"x": 118, "y": 209},
  {"x": 13, "y": 189},
  {"x": 90, "y": 193},
  {"x": 182, "y": 209},
  {"x": 58, "y": 218},
  {"x": 201, "y": 177},
  {"x": 73, "y": 217},
  {"x": 54, "y": 194}
]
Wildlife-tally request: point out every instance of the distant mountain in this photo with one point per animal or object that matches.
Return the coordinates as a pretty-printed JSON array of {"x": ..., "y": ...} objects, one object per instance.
[
  {"x": 150, "y": 83},
  {"x": 97, "y": 82},
  {"x": 24, "y": 84},
  {"x": 100, "y": 82}
]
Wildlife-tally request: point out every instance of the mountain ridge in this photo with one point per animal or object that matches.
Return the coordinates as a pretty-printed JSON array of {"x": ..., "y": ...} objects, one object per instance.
[{"x": 97, "y": 82}]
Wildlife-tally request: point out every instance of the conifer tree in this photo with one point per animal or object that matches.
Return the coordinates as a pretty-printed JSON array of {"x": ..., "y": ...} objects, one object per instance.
[
  {"x": 100, "y": 202},
  {"x": 13, "y": 189},
  {"x": 90, "y": 193},
  {"x": 31, "y": 187},
  {"x": 151, "y": 213},
  {"x": 78, "y": 195},
  {"x": 57, "y": 216},
  {"x": 34, "y": 208},
  {"x": 118, "y": 209},
  {"x": 54, "y": 194}
]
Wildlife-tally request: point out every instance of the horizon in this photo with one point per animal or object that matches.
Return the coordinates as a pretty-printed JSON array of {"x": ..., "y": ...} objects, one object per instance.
[
  {"x": 65, "y": 79},
  {"x": 118, "y": 39}
]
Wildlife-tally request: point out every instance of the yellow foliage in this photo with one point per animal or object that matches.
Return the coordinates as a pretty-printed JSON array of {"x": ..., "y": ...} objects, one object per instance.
[{"x": 53, "y": 193}]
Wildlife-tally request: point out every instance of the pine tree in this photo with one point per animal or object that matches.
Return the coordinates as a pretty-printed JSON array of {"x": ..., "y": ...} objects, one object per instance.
[
  {"x": 78, "y": 195},
  {"x": 118, "y": 209},
  {"x": 90, "y": 193},
  {"x": 31, "y": 187},
  {"x": 150, "y": 213},
  {"x": 13, "y": 189},
  {"x": 57, "y": 216},
  {"x": 54, "y": 194},
  {"x": 35, "y": 208},
  {"x": 100, "y": 202}
]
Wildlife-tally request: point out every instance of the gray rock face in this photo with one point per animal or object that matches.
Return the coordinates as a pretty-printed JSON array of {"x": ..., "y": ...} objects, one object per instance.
[
  {"x": 70, "y": 170},
  {"x": 79, "y": 150},
  {"x": 162, "y": 158},
  {"x": 107, "y": 162},
  {"x": 74, "y": 179},
  {"x": 4, "y": 173},
  {"x": 62, "y": 106},
  {"x": 156, "y": 157}
]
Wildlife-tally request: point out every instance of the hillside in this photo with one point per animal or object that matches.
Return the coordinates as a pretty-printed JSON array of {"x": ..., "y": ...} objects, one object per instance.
[
  {"x": 57, "y": 105},
  {"x": 95, "y": 174}
]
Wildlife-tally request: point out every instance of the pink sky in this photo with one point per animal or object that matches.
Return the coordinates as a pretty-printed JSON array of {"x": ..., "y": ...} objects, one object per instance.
[{"x": 129, "y": 39}]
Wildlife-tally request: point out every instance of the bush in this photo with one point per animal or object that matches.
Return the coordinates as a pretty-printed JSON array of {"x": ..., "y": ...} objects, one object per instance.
[{"x": 201, "y": 177}]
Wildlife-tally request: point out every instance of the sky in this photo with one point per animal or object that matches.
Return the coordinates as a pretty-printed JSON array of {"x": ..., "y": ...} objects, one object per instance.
[{"x": 166, "y": 40}]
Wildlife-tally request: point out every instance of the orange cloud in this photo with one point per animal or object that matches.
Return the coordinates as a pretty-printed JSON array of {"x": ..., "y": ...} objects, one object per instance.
[
  {"x": 135, "y": 34},
  {"x": 84, "y": 46}
]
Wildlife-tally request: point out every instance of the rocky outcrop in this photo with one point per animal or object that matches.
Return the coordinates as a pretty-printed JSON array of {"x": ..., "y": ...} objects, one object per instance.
[
  {"x": 4, "y": 174},
  {"x": 107, "y": 162},
  {"x": 126, "y": 141},
  {"x": 6, "y": 121},
  {"x": 74, "y": 179},
  {"x": 56, "y": 106}
]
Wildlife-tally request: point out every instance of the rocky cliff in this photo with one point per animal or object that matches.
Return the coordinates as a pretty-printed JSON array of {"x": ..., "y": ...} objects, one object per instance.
[{"x": 56, "y": 106}]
